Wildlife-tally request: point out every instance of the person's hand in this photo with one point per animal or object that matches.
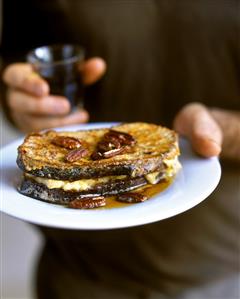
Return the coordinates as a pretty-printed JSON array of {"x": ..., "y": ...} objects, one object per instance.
[
  {"x": 33, "y": 108},
  {"x": 210, "y": 131}
]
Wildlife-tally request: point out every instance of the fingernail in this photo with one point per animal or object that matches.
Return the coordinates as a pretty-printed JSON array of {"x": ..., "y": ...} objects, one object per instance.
[
  {"x": 215, "y": 144},
  {"x": 211, "y": 148},
  {"x": 39, "y": 90},
  {"x": 62, "y": 107},
  {"x": 81, "y": 116},
  {"x": 36, "y": 85},
  {"x": 58, "y": 106},
  {"x": 42, "y": 89}
]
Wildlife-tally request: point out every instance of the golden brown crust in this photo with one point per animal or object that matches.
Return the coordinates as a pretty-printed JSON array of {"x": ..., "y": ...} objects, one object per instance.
[{"x": 40, "y": 157}]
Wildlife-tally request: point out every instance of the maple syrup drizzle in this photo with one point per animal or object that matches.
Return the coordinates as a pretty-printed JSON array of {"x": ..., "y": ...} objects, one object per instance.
[{"x": 148, "y": 190}]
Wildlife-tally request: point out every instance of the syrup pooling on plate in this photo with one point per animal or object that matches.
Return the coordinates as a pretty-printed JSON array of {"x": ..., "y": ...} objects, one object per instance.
[{"x": 149, "y": 191}]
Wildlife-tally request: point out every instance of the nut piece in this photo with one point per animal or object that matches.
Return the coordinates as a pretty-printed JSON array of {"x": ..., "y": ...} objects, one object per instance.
[
  {"x": 123, "y": 138},
  {"x": 113, "y": 143},
  {"x": 113, "y": 152},
  {"x": 67, "y": 142},
  {"x": 131, "y": 197},
  {"x": 108, "y": 144},
  {"x": 96, "y": 156},
  {"x": 88, "y": 203},
  {"x": 76, "y": 154}
]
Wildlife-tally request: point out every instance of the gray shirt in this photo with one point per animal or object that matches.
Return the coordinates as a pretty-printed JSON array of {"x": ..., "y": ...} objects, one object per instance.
[{"x": 160, "y": 56}]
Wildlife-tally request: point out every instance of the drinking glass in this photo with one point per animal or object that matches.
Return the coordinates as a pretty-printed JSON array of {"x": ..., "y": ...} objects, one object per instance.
[{"x": 60, "y": 66}]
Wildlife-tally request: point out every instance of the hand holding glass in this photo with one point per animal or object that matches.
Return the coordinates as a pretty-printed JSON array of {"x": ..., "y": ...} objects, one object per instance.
[{"x": 59, "y": 65}]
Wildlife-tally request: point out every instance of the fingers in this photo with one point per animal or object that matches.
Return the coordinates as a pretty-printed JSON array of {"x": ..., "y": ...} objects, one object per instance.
[
  {"x": 195, "y": 122},
  {"x": 21, "y": 76},
  {"x": 31, "y": 106},
  {"x": 22, "y": 102},
  {"x": 229, "y": 121},
  {"x": 92, "y": 70},
  {"x": 30, "y": 123}
]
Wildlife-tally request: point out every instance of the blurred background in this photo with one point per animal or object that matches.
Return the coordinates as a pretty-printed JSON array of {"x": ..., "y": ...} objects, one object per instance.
[{"x": 20, "y": 243}]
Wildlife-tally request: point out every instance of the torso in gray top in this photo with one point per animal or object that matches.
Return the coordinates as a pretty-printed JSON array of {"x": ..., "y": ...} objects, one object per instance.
[{"x": 160, "y": 56}]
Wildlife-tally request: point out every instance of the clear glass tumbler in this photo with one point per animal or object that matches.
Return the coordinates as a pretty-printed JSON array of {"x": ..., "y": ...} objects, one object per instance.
[{"x": 60, "y": 66}]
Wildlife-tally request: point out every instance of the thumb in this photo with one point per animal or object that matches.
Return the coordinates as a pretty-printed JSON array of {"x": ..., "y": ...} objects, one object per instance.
[
  {"x": 196, "y": 123},
  {"x": 92, "y": 70}
]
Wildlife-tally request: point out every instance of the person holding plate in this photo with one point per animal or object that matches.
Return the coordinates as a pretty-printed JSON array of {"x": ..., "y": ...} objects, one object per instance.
[{"x": 161, "y": 62}]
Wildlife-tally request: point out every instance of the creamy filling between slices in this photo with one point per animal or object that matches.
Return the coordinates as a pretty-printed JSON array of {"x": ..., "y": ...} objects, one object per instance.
[
  {"x": 79, "y": 185},
  {"x": 172, "y": 167}
]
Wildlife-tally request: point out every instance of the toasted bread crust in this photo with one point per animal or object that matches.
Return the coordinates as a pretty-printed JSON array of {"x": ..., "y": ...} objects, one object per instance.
[
  {"x": 39, "y": 191},
  {"x": 39, "y": 157}
]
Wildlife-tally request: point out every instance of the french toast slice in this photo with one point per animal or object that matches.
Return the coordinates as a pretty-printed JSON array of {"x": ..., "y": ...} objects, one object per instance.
[
  {"x": 155, "y": 146},
  {"x": 32, "y": 188},
  {"x": 81, "y": 168}
]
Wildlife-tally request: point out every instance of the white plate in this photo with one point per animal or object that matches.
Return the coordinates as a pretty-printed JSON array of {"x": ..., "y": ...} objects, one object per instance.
[{"x": 195, "y": 182}]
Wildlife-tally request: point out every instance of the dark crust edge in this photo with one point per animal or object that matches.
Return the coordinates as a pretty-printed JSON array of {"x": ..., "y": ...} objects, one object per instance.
[
  {"x": 39, "y": 191},
  {"x": 130, "y": 168}
]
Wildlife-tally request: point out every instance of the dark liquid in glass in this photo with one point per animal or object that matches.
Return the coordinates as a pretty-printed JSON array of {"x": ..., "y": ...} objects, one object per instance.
[{"x": 64, "y": 80}]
